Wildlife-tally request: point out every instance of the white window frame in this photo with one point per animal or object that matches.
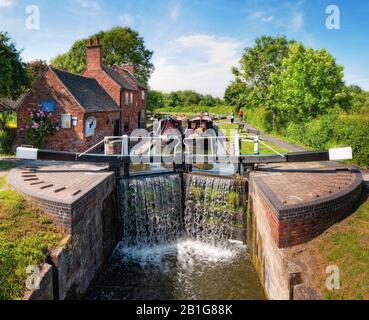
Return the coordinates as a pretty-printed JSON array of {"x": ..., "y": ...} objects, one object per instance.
[{"x": 126, "y": 97}]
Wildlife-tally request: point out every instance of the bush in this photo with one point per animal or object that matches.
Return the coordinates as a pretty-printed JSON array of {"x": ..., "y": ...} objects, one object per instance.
[
  {"x": 334, "y": 131},
  {"x": 5, "y": 141},
  {"x": 317, "y": 134},
  {"x": 260, "y": 118},
  {"x": 353, "y": 131}
]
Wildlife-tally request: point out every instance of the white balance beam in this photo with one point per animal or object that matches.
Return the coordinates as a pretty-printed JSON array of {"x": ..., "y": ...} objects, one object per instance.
[
  {"x": 26, "y": 153},
  {"x": 340, "y": 154}
]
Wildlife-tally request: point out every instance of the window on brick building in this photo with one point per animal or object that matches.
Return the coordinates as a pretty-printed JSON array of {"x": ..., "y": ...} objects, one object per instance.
[
  {"x": 131, "y": 97},
  {"x": 143, "y": 95},
  {"x": 127, "y": 99}
]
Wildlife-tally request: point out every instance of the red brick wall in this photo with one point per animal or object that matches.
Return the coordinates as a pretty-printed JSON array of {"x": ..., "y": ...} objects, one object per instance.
[
  {"x": 300, "y": 224},
  {"x": 94, "y": 60},
  {"x": 50, "y": 88}
]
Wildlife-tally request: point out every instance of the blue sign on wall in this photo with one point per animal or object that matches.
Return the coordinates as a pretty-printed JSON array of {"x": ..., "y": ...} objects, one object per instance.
[{"x": 47, "y": 106}]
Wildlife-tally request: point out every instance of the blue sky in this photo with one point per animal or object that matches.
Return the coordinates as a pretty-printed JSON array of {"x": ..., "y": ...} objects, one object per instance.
[{"x": 195, "y": 42}]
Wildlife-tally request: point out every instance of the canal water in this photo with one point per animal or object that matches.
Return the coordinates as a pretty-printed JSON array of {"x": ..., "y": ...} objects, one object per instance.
[{"x": 181, "y": 240}]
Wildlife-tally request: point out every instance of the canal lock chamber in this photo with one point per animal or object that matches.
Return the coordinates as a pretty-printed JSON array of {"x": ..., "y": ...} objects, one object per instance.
[{"x": 183, "y": 236}]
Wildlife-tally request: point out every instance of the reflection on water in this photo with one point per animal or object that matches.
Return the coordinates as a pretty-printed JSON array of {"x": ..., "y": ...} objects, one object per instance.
[{"x": 186, "y": 269}]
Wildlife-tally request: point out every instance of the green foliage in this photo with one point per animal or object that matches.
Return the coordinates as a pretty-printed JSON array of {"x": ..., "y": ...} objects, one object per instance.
[
  {"x": 5, "y": 141},
  {"x": 35, "y": 69},
  {"x": 353, "y": 131},
  {"x": 174, "y": 101},
  {"x": 261, "y": 118},
  {"x": 346, "y": 246},
  {"x": 5, "y": 165},
  {"x": 359, "y": 100},
  {"x": 13, "y": 74},
  {"x": 257, "y": 66},
  {"x": 237, "y": 95},
  {"x": 334, "y": 131},
  {"x": 119, "y": 46},
  {"x": 155, "y": 100},
  {"x": 195, "y": 110},
  {"x": 299, "y": 93},
  {"x": 310, "y": 85},
  {"x": 40, "y": 126},
  {"x": 25, "y": 238}
]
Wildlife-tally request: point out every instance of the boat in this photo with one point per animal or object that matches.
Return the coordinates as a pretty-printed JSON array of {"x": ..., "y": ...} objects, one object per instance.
[{"x": 199, "y": 128}]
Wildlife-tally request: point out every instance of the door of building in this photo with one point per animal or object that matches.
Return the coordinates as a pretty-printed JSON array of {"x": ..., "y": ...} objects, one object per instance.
[
  {"x": 139, "y": 120},
  {"x": 116, "y": 127}
]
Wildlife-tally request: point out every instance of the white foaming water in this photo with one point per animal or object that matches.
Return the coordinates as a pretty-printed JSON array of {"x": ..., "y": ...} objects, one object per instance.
[{"x": 188, "y": 252}]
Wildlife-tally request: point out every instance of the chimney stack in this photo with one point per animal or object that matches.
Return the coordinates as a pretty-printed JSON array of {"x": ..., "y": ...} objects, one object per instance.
[
  {"x": 129, "y": 67},
  {"x": 94, "y": 57}
]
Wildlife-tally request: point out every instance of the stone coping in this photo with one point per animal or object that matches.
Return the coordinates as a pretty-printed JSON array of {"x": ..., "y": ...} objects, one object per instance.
[
  {"x": 58, "y": 182},
  {"x": 321, "y": 175}
]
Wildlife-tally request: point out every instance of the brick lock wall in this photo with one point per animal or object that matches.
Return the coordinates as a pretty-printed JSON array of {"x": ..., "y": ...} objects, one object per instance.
[{"x": 296, "y": 225}]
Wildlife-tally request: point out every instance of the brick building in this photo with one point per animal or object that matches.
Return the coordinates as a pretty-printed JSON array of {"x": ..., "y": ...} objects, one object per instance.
[{"x": 102, "y": 102}]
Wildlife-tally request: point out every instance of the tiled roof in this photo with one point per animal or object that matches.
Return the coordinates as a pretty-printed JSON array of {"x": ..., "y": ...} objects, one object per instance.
[
  {"x": 87, "y": 91},
  {"x": 129, "y": 77},
  {"x": 116, "y": 76},
  {"x": 9, "y": 104}
]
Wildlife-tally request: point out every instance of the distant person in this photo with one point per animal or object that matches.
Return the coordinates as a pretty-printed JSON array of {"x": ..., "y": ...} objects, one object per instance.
[
  {"x": 232, "y": 117},
  {"x": 240, "y": 115}
]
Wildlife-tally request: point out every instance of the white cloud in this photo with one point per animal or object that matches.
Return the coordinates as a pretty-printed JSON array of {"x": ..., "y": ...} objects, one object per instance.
[
  {"x": 6, "y": 3},
  {"x": 90, "y": 7},
  {"x": 286, "y": 15},
  {"x": 200, "y": 62},
  {"x": 297, "y": 22},
  {"x": 174, "y": 11},
  {"x": 127, "y": 19},
  {"x": 267, "y": 19}
]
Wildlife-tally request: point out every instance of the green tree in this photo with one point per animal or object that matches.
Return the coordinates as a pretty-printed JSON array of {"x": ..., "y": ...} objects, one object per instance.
[
  {"x": 207, "y": 101},
  {"x": 189, "y": 97},
  {"x": 155, "y": 100},
  {"x": 13, "y": 75},
  {"x": 257, "y": 65},
  {"x": 359, "y": 99},
  {"x": 120, "y": 45},
  {"x": 311, "y": 84},
  {"x": 35, "y": 69},
  {"x": 172, "y": 99},
  {"x": 238, "y": 94}
]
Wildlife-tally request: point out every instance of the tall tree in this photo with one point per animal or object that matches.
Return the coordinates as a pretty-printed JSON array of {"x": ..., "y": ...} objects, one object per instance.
[
  {"x": 13, "y": 74},
  {"x": 237, "y": 95},
  {"x": 155, "y": 100},
  {"x": 310, "y": 84},
  {"x": 120, "y": 45},
  {"x": 257, "y": 65},
  {"x": 35, "y": 69}
]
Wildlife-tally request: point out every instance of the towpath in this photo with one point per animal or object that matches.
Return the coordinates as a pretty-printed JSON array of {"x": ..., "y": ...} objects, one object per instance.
[{"x": 284, "y": 145}]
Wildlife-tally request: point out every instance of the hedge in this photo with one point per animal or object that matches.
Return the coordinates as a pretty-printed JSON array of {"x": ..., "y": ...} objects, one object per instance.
[{"x": 325, "y": 132}]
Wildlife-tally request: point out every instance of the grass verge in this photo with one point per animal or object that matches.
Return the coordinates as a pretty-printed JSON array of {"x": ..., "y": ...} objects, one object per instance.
[
  {"x": 346, "y": 245},
  {"x": 230, "y": 129},
  {"x": 26, "y": 236},
  {"x": 6, "y": 165}
]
